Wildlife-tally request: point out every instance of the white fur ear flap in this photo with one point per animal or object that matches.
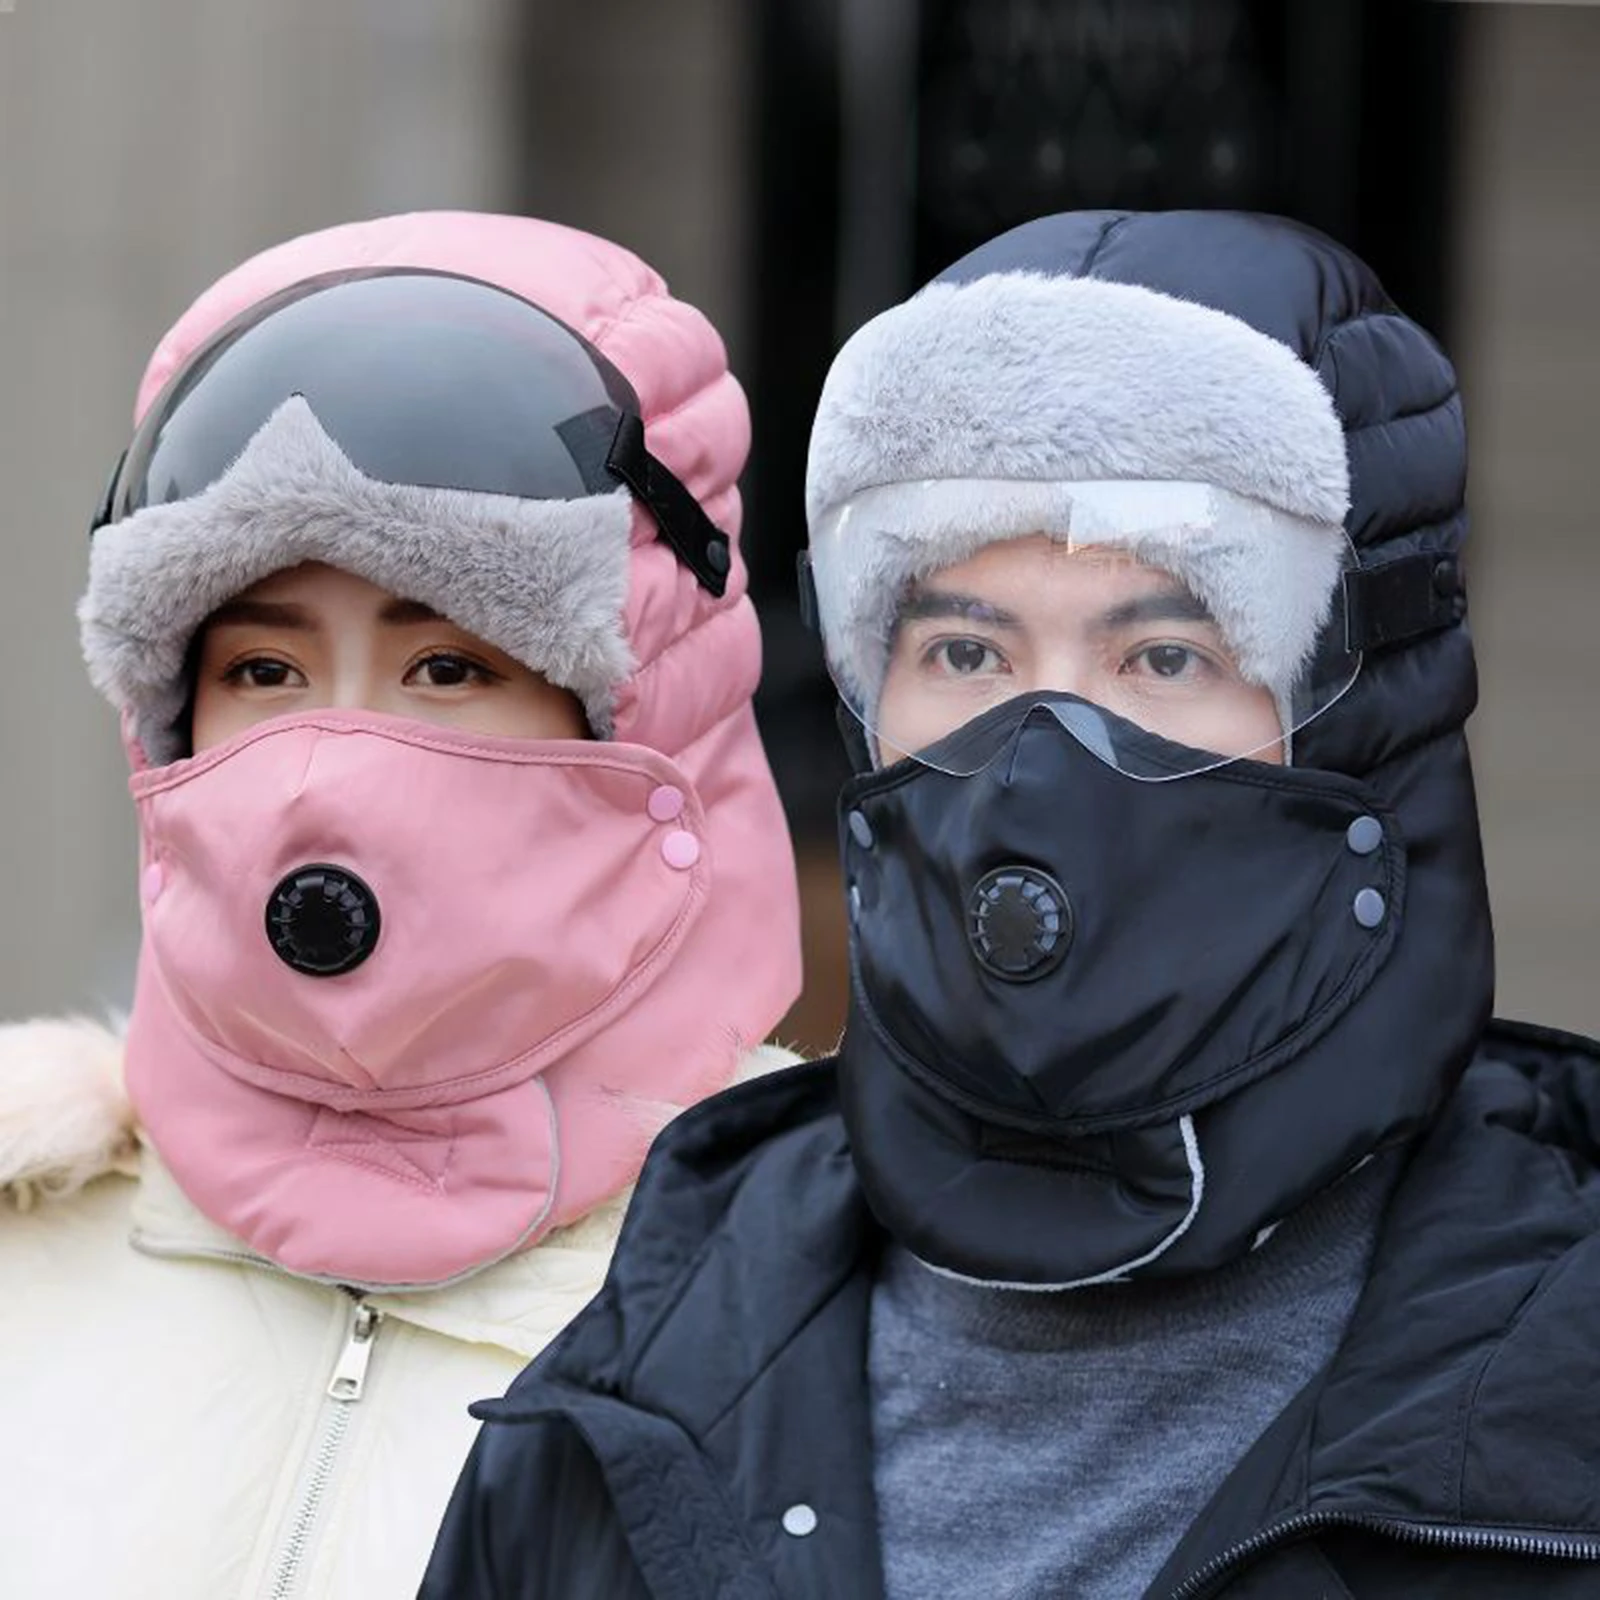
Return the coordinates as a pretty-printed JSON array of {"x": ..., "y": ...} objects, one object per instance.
[{"x": 65, "y": 1118}]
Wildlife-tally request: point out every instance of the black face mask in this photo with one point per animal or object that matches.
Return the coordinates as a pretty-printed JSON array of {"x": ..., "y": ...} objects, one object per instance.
[{"x": 1060, "y": 973}]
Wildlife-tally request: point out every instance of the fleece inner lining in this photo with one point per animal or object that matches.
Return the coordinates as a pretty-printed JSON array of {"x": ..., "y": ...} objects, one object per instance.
[{"x": 544, "y": 580}]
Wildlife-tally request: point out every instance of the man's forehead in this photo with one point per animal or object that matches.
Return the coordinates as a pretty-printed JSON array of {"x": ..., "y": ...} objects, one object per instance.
[{"x": 1002, "y": 574}]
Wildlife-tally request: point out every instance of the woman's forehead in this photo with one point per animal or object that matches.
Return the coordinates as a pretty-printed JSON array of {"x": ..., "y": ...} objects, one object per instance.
[
  {"x": 315, "y": 591},
  {"x": 311, "y": 580}
]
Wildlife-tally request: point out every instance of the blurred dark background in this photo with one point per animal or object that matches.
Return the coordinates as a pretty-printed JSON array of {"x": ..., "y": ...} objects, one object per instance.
[
  {"x": 891, "y": 138},
  {"x": 793, "y": 166}
]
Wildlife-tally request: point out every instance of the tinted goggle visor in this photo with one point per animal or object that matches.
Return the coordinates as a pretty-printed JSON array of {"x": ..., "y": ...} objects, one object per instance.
[{"x": 420, "y": 378}]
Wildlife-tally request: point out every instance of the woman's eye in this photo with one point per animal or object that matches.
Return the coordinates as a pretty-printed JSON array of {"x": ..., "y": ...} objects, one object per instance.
[
  {"x": 447, "y": 672},
  {"x": 263, "y": 673},
  {"x": 964, "y": 658}
]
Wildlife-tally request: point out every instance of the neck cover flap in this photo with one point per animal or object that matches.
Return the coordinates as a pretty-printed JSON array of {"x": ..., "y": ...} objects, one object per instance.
[{"x": 366, "y": 939}]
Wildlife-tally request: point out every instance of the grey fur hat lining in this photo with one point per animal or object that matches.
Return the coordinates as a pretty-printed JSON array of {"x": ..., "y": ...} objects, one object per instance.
[
  {"x": 544, "y": 580},
  {"x": 1006, "y": 390}
]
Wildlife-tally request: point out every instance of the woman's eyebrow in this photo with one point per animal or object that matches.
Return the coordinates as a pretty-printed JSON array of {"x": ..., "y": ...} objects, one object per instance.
[
  {"x": 261, "y": 614},
  {"x": 408, "y": 611},
  {"x": 922, "y": 604}
]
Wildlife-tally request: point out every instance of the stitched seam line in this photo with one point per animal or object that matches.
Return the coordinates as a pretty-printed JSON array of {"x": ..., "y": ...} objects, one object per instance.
[
  {"x": 799, "y": 1332},
  {"x": 1410, "y": 415},
  {"x": 683, "y": 405},
  {"x": 1474, "y": 1388},
  {"x": 1113, "y": 226},
  {"x": 1334, "y": 333},
  {"x": 599, "y": 755},
  {"x": 347, "y": 1154}
]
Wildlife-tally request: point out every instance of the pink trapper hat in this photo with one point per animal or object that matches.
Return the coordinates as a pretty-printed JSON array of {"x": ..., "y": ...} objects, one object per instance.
[{"x": 415, "y": 1175}]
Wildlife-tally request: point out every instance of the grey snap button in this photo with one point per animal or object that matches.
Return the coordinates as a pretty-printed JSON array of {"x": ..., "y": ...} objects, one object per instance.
[
  {"x": 800, "y": 1521},
  {"x": 1369, "y": 908},
  {"x": 855, "y": 902},
  {"x": 861, "y": 830},
  {"x": 1364, "y": 835}
]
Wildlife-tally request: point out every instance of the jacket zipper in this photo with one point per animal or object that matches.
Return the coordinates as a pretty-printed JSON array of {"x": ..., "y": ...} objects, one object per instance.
[
  {"x": 345, "y": 1387},
  {"x": 1204, "y": 1582}
]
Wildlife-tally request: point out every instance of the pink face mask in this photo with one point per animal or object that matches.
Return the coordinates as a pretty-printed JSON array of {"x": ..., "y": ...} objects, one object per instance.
[{"x": 366, "y": 939}]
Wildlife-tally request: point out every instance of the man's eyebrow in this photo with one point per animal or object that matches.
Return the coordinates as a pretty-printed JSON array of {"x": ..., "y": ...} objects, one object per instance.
[
  {"x": 922, "y": 604},
  {"x": 261, "y": 614},
  {"x": 1174, "y": 604},
  {"x": 404, "y": 611}
]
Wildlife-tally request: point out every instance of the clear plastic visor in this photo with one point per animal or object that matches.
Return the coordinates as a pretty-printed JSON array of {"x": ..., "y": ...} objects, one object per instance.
[{"x": 1169, "y": 627}]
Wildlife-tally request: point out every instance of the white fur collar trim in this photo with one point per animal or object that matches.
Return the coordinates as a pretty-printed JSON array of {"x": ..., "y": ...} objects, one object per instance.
[{"x": 64, "y": 1115}]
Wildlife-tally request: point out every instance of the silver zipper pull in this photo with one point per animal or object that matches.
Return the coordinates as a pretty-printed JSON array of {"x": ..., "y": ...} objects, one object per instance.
[{"x": 350, "y": 1372}]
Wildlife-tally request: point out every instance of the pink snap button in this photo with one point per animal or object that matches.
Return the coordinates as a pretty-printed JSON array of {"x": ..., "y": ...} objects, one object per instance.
[
  {"x": 680, "y": 850},
  {"x": 153, "y": 882},
  {"x": 665, "y": 804}
]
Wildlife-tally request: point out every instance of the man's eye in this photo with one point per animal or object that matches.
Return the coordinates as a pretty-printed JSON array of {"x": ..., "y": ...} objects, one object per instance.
[
  {"x": 446, "y": 671},
  {"x": 1171, "y": 661},
  {"x": 963, "y": 658}
]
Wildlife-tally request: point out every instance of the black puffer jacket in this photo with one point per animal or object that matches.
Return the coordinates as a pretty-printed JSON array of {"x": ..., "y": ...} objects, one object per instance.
[{"x": 1451, "y": 1450}]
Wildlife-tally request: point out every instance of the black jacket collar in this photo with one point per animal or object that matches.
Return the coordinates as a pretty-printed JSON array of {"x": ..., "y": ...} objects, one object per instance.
[{"x": 1465, "y": 1397}]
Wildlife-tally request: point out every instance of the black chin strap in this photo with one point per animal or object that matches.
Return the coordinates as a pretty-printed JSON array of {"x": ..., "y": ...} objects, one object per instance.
[
  {"x": 697, "y": 541},
  {"x": 606, "y": 444},
  {"x": 1404, "y": 599}
]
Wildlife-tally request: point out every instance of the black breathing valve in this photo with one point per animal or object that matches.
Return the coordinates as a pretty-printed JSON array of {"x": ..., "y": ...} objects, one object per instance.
[
  {"x": 322, "y": 920},
  {"x": 1019, "y": 923}
]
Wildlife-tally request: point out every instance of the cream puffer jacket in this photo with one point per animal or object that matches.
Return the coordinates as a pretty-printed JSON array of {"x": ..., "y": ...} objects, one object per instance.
[{"x": 184, "y": 1420}]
